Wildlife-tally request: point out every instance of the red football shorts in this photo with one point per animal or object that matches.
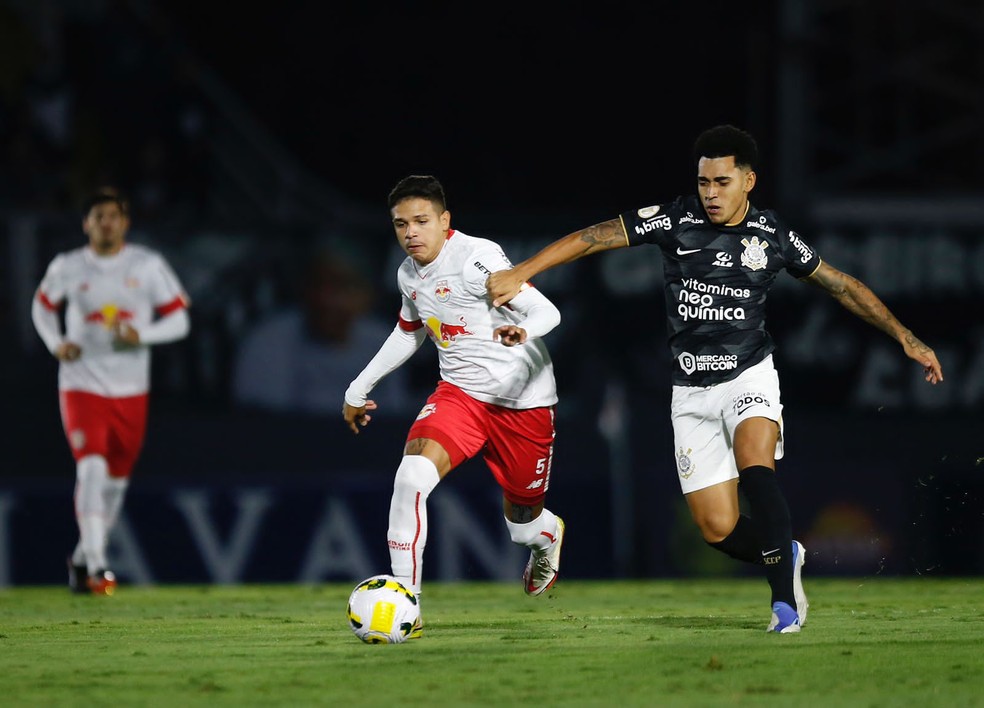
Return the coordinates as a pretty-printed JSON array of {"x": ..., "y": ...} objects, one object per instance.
[
  {"x": 517, "y": 445},
  {"x": 111, "y": 427}
]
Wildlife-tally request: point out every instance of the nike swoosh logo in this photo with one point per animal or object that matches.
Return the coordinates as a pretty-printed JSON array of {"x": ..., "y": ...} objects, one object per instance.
[
  {"x": 769, "y": 553},
  {"x": 681, "y": 252}
]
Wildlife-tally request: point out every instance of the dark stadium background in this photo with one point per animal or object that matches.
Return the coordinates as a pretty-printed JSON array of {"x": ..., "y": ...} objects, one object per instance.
[{"x": 246, "y": 134}]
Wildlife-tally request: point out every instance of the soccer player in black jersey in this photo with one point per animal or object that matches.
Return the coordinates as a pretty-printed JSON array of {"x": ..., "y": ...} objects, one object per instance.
[{"x": 720, "y": 257}]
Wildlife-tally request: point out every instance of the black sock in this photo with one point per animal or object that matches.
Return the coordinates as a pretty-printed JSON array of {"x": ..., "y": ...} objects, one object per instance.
[
  {"x": 770, "y": 516},
  {"x": 742, "y": 543}
]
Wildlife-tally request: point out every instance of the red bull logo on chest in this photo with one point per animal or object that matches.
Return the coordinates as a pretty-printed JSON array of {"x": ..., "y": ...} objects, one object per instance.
[
  {"x": 109, "y": 315},
  {"x": 443, "y": 333}
]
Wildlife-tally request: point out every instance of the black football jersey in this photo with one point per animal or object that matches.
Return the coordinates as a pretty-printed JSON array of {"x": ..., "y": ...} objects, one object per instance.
[{"x": 717, "y": 279}]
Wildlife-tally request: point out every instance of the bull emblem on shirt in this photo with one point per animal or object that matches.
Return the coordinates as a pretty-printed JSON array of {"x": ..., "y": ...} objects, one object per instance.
[
  {"x": 109, "y": 315},
  {"x": 443, "y": 291},
  {"x": 444, "y": 333}
]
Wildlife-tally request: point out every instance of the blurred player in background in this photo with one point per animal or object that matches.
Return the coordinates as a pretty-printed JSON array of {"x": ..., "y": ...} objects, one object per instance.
[
  {"x": 497, "y": 390},
  {"x": 120, "y": 299},
  {"x": 721, "y": 256}
]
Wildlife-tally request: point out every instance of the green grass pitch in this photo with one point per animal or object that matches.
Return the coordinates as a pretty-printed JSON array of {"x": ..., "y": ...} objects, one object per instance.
[{"x": 867, "y": 642}]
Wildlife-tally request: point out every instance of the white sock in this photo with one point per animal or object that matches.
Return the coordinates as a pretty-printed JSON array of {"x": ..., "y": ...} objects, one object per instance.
[
  {"x": 91, "y": 478},
  {"x": 114, "y": 493},
  {"x": 78, "y": 555},
  {"x": 537, "y": 535},
  {"x": 415, "y": 478}
]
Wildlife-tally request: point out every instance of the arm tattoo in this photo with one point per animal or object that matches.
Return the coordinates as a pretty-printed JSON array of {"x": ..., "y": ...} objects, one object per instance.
[
  {"x": 601, "y": 237},
  {"x": 916, "y": 343},
  {"x": 858, "y": 299}
]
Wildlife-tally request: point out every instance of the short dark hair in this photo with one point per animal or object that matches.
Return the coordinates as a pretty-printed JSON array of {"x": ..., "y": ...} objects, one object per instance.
[
  {"x": 421, "y": 186},
  {"x": 103, "y": 195},
  {"x": 725, "y": 141}
]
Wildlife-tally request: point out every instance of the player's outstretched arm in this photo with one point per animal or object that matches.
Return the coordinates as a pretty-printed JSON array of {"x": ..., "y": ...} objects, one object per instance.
[
  {"x": 859, "y": 299},
  {"x": 504, "y": 284}
]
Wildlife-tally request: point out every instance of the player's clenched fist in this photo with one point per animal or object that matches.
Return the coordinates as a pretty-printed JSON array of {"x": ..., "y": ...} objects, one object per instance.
[
  {"x": 125, "y": 335},
  {"x": 356, "y": 417},
  {"x": 509, "y": 335},
  {"x": 68, "y": 351},
  {"x": 502, "y": 286}
]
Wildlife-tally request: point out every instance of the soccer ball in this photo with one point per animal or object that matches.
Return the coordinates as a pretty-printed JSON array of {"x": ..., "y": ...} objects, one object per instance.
[{"x": 382, "y": 610}]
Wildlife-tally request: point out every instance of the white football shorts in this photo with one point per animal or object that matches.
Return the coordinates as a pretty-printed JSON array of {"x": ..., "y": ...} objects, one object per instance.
[{"x": 705, "y": 418}]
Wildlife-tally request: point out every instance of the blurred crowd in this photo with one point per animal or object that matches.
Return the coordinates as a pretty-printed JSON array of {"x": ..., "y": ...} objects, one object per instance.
[
  {"x": 86, "y": 98},
  {"x": 104, "y": 91},
  {"x": 93, "y": 93}
]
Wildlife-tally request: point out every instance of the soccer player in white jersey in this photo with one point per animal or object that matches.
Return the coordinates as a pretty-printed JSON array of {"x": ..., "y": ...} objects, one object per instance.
[
  {"x": 497, "y": 390},
  {"x": 120, "y": 299},
  {"x": 720, "y": 258}
]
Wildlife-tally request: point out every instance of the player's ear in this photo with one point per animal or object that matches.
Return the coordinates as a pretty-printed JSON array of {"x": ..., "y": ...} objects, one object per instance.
[
  {"x": 445, "y": 219},
  {"x": 750, "y": 179}
]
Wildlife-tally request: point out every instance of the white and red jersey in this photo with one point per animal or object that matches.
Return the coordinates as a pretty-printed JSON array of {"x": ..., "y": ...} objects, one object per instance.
[
  {"x": 447, "y": 298},
  {"x": 134, "y": 286}
]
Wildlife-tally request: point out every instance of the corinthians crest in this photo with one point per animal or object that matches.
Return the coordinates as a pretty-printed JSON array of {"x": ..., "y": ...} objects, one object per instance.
[
  {"x": 685, "y": 465},
  {"x": 753, "y": 257}
]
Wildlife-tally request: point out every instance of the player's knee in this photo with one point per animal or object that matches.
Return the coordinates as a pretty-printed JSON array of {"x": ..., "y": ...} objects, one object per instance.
[
  {"x": 416, "y": 473},
  {"x": 715, "y": 526},
  {"x": 92, "y": 468}
]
